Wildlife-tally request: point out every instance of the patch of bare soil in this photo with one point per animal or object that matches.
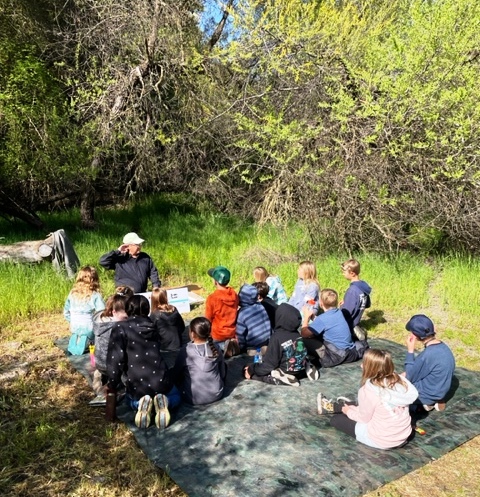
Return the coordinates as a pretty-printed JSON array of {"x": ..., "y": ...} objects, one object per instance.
[{"x": 51, "y": 441}]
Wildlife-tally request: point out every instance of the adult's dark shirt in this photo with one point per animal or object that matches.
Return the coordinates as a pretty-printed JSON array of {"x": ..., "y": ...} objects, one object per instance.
[{"x": 131, "y": 271}]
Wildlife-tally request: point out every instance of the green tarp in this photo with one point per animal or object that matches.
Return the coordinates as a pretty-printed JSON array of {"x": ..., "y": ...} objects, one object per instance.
[{"x": 269, "y": 440}]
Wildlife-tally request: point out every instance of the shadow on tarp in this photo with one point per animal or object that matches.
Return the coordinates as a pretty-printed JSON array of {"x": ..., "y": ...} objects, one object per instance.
[{"x": 269, "y": 440}]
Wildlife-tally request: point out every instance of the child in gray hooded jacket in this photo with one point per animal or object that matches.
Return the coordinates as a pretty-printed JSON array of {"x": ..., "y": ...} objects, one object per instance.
[{"x": 200, "y": 369}]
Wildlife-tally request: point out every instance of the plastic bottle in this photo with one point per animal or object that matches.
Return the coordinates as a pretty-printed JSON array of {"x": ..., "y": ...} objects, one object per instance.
[{"x": 258, "y": 359}]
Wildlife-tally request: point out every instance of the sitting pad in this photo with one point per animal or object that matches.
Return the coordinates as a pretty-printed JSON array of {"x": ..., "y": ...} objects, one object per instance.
[{"x": 269, "y": 440}]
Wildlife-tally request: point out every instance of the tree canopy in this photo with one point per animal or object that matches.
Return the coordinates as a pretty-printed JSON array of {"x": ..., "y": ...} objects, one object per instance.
[{"x": 358, "y": 119}]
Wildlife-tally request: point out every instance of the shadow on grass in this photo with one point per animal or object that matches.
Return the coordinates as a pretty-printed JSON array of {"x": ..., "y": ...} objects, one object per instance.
[{"x": 374, "y": 318}]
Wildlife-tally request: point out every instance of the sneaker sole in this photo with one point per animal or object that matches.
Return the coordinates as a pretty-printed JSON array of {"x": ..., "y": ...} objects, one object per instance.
[
  {"x": 142, "y": 418},
  {"x": 162, "y": 416},
  {"x": 161, "y": 402},
  {"x": 162, "y": 419}
]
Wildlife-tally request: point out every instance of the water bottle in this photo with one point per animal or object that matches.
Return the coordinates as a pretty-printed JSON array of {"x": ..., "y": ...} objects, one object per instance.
[{"x": 258, "y": 356}]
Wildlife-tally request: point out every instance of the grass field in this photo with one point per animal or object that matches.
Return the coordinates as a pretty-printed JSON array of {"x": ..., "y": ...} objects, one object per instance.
[{"x": 52, "y": 443}]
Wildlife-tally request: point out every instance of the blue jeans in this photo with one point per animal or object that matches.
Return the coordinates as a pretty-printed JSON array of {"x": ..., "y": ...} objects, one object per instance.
[{"x": 174, "y": 399}]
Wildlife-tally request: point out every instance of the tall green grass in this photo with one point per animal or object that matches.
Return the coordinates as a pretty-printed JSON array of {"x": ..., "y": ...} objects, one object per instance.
[{"x": 185, "y": 241}]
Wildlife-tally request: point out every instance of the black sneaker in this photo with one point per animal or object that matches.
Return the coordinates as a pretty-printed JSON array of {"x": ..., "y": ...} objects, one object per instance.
[{"x": 288, "y": 379}]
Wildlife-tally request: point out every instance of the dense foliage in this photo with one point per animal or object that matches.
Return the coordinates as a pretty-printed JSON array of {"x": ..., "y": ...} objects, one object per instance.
[{"x": 358, "y": 118}]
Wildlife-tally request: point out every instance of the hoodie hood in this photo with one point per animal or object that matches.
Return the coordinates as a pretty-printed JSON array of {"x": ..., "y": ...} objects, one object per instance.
[
  {"x": 202, "y": 356},
  {"x": 287, "y": 318},
  {"x": 228, "y": 296},
  {"x": 398, "y": 396},
  {"x": 362, "y": 286},
  {"x": 248, "y": 295},
  {"x": 143, "y": 325}
]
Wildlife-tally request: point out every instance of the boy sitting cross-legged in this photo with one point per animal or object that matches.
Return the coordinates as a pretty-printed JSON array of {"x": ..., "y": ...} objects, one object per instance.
[
  {"x": 286, "y": 358},
  {"x": 328, "y": 337}
]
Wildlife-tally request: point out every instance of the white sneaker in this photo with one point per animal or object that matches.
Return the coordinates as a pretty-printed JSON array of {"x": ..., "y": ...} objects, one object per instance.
[{"x": 288, "y": 379}]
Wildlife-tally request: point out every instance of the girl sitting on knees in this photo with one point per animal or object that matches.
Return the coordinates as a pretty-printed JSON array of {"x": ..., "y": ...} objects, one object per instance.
[
  {"x": 382, "y": 418},
  {"x": 200, "y": 369},
  {"x": 134, "y": 357},
  {"x": 103, "y": 322},
  {"x": 167, "y": 320},
  {"x": 82, "y": 303}
]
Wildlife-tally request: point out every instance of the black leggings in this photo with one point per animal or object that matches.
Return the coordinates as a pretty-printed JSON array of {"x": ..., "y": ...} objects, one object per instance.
[{"x": 343, "y": 423}]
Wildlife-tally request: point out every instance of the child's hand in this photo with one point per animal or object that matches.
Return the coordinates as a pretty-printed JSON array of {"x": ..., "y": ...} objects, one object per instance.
[
  {"x": 345, "y": 409},
  {"x": 306, "y": 312},
  {"x": 246, "y": 373},
  {"x": 411, "y": 341}
]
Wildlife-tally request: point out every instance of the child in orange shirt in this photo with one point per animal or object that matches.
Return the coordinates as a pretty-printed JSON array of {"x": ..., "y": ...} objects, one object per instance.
[{"x": 221, "y": 311}]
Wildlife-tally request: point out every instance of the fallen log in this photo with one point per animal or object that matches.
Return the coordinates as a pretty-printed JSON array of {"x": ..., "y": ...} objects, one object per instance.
[
  {"x": 23, "y": 252},
  {"x": 56, "y": 248}
]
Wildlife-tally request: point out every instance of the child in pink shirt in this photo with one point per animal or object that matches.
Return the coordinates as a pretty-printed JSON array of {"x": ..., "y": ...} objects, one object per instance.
[{"x": 382, "y": 418}]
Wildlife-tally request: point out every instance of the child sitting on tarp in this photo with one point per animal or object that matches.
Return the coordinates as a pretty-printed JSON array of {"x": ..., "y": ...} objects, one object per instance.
[
  {"x": 200, "y": 369},
  {"x": 221, "y": 310},
  {"x": 103, "y": 322},
  {"x": 382, "y": 418},
  {"x": 328, "y": 337},
  {"x": 268, "y": 304},
  {"x": 276, "y": 292},
  {"x": 285, "y": 361},
  {"x": 134, "y": 357},
  {"x": 253, "y": 325},
  {"x": 432, "y": 370},
  {"x": 167, "y": 319},
  {"x": 82, "y": 303}
]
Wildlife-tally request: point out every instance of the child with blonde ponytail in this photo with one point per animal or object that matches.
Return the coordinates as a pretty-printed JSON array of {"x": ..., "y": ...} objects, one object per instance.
[{"x": 200, "y": 369}]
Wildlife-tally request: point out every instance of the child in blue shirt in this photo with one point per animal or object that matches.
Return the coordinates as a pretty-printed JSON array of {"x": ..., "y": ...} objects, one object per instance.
[
  {"x": 328, "y": 337},
  {"x": 357, "y": 296},
  {"x": 432, "y": 370}
]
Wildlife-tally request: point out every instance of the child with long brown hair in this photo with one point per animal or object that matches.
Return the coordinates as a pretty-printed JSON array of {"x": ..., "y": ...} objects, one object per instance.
[
  {"x": 82, "y": 303},
  {"x": 382, "y": 418},
  {"x": 168, "y": 321},
  {"x": 200, "y": 369}
]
